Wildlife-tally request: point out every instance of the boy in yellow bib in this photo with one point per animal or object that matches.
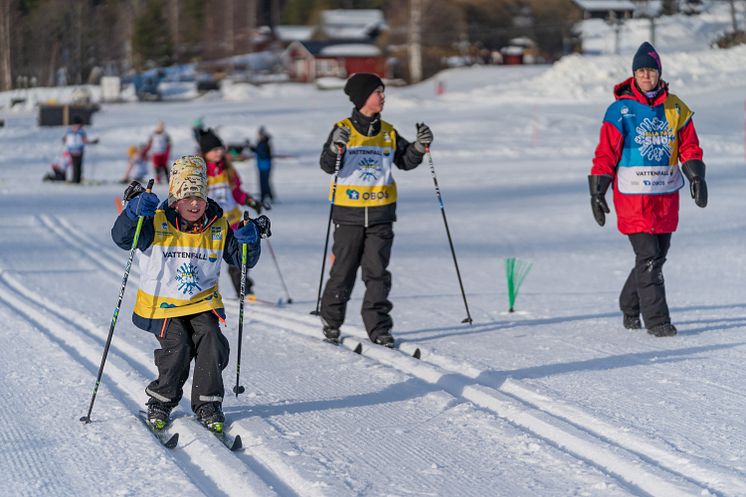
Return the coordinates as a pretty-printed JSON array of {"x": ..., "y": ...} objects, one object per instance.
[
  {"x": 365, "y": 206},
  {"x": 182, "y": 243}
]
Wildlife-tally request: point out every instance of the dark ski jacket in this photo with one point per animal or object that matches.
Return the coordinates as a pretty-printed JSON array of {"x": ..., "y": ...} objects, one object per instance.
[
  {"x": 406, "y": 157},
  {"x": 123, "y": 232}
]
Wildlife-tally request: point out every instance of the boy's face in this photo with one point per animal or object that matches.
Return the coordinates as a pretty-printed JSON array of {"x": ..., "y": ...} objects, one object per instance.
[
  {"x": 191, "y": 208},
  {"x": 374, "y": 104},
  {"x": 215, "y": 154}
]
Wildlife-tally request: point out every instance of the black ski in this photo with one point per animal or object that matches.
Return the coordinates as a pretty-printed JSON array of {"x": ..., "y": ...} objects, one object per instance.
[
  {"x": 232, "y": 444},
  {"x": 164, "y": 437},
  {"x": 417, "y": 354}
]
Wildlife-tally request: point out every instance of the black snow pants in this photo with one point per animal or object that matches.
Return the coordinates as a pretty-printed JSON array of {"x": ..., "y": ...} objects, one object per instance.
[
  {"x": 77, "y": 161},
  {"x": 644, "y": 291},
  {"x": 197, "y": 337},
  {"x": 369, "y": 248}
]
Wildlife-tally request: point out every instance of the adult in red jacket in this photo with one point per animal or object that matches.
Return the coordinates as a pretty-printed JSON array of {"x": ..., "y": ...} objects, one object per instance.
[{"x": 645, "y": 134}]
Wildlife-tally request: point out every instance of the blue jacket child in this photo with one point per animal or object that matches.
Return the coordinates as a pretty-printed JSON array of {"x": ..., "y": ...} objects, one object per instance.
[{"x": 182, "y": 243}]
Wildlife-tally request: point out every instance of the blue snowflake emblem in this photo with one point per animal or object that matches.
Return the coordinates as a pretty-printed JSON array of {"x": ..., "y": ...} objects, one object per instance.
[
  {"x": 369, "y": 169},
  {"x": 188, "y": 279},
  {"x": 655, "y": 137}
]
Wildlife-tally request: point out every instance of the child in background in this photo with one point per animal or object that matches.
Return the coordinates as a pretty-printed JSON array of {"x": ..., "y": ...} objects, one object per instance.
[
  {"x": 224, "y": 186},
  {"x": 137, "y": 164},
  {"x": 60, "y": 165},
  {"x": 159, "y": 146},
  {"x": 182, "y": 243}
]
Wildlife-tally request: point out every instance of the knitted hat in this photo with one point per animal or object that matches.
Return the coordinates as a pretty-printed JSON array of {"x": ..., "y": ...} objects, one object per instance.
[
  {"x": 209, "y": 140},
  {"x": 647, "y": 56},
  {"x": 188, "y": 178},
  {"x": 360, "y": 86}
]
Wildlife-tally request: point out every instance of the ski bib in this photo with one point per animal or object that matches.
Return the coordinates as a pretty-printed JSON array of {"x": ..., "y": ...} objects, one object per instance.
[
  {"x": 159, "y": 143},
  {"x": 219, "y": 189},
  {"x": 365, "y": 178},
  {"x": 179, "y": 272},
  {"x": 649, "y": 164}
]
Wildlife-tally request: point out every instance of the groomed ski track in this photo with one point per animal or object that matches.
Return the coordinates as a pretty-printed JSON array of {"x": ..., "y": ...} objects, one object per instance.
[{"x": 286, "y": 454}]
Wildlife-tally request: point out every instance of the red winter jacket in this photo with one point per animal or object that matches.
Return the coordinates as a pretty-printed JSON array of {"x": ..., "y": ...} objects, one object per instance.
[{"x": 642, "y": 213}]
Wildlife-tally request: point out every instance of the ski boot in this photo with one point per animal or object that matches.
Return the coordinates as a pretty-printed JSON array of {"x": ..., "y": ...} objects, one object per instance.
[
  {"x": 158, "y": 415},
  {"x": 211, "y": 415},
  {"x": 663, "y": 330},
  {"x": 331, "y": 334},
  {"x": 632, "y": 322},
  {"x": 384, "y": 339}
]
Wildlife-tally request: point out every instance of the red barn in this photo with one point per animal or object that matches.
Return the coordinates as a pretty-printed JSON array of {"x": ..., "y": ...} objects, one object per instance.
[{"x": 307, "y": 61}]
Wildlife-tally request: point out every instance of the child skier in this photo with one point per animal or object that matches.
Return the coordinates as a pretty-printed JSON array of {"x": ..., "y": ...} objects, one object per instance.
[
  {"x": 644, "y": 136},
  {"x": 159, "y": 146},
  {"x": 263, "y": 151},
  {"x": 365, "y": 206},
  {"x": 75, "y": 140},
  {"x": 181, "y": 245},
  {"x": 137, "y": 164},
  {"x": 224, "y": 186}
]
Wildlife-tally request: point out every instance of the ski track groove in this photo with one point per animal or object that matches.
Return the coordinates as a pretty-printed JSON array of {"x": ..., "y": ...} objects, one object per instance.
[
  {"x": 677, "y": 464},
  {"x": 122, "y": 384},
  {"x": 511, "y": 390}
]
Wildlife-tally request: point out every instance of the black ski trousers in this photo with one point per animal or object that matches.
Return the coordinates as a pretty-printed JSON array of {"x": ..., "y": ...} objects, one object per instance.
[
  {"x": 77, "y": 161},
  {"x": 197, "y": 337},
  {"x": 369, "y": 248},
  {"x": 235, "y": 273},
  {"x": 645, "y": 291}
]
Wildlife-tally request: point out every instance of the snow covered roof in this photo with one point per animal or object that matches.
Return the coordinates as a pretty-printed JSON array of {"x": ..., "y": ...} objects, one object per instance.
[
  {"x": 289, "y": 33},
  {"x": 348, "y": 23},
  {"x": 605, "y": 5},
  {"x": 351, "y": 49}
]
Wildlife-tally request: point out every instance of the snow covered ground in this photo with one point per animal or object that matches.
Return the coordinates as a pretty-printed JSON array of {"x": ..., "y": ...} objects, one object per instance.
[{"x": 556, "y": 399}]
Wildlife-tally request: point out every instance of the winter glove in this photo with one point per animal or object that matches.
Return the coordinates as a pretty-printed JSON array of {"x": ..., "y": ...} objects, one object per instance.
[
  {"x": 424, "y": 138},
  {"x": 248, "y": 233},
  {"x": 598, "y": 184},
  {"x": 340, "y": 135},
  {"x": 694, "y": 170},
  {"x": 143, "y": 204},
  {"x": 132, "y": 191},
  {"x": 253, "y": 204},
  {"x": 264, "y": 225}
]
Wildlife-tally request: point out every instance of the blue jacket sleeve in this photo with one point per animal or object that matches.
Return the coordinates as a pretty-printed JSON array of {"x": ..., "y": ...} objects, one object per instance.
[
  {"x": 123, "y": 232},
  {"x": 232, "y": 252}
]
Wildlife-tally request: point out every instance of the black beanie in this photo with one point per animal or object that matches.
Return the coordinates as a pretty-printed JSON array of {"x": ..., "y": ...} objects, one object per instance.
[
  {"x": 209, "y": 140},
  {"x": 647, "y": 56},
  {"x": 360, "y": 86}
]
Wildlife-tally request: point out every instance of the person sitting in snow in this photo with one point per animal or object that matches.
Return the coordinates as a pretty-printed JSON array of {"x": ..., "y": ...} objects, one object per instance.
[
  {"x": 224, "y": 186},
  {"x": 182, "y": 243},
  {"x": 645, "y": 133},
  {"x": 364, "y": 206},
  {"x": 137, "y": 164}
]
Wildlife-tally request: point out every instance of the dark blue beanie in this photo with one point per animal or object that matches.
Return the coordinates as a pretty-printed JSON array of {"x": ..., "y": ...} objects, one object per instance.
[{"x": 646, "y": 56}]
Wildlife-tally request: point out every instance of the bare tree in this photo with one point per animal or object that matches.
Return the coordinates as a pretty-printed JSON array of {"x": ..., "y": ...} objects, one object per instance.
[{"x": 6, "y": 77}]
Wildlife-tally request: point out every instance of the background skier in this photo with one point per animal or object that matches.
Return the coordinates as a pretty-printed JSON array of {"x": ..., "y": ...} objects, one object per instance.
[{"x": 365, "y": 206}]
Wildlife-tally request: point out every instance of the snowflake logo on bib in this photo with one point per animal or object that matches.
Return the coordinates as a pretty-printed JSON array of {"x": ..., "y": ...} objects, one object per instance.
[
  {"x": 369, "y": 169},
  {"x": 187, "y": 277},
  {"x": 655, "y": 137}
]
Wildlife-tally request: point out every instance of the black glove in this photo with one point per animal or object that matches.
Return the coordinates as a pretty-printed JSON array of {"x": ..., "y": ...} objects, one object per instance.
[
  {"x": 340, "y": 135},
  {"x": 252, "y": 203},
  {"x": 424, "y": 137},
  {"x": 263, "y": 225},
  {"x": 132, "y": 191},
  {"x": 694, "y": 170},
  {"x": 598, "y": 184}
]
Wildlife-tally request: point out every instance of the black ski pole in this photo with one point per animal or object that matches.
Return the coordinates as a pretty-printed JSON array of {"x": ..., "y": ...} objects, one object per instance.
[
  {"x": 242, "y": 295},
  {"x": 279, "y": 272},
  {"x": 337, "y": 164},
  {"x": 87, "y": 418},
  {"x": 448, "y": 232}
]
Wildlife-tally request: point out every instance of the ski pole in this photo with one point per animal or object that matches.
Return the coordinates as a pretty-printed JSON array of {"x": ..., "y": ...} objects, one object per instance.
[
  {"x": 337, "y": 164},
  {"x": 448, "y": 232},
  {"x": 239, "y": 388},
  {"x": 282, "y": 280},
  {"x": 87, "y": 418}
]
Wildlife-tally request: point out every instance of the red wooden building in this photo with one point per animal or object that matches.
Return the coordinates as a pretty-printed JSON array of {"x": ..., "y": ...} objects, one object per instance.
[{"x": 307, "y": 61}]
